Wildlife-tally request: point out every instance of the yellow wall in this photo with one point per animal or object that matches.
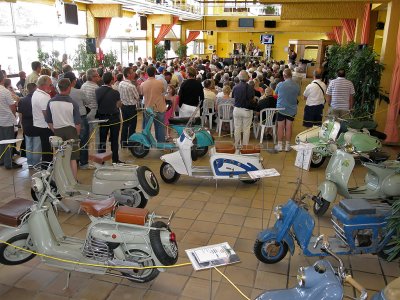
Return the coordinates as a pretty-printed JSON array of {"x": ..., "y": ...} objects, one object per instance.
[
  {"x": 225, "y": 41},
  {"x": 379, "y": 33}
]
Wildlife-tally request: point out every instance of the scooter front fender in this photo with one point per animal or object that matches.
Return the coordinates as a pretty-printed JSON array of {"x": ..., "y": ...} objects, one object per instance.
[
  {"x": 204, "y": 138},
  {"x": 272, "y": 234},
  {"x": 8, "y": 232},
  {"x": 328, "y": 190},
  {"x": 140, "y": 138}
]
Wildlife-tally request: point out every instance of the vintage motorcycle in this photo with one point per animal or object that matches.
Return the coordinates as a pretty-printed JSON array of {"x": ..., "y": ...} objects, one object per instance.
[
  {"x": 122, "y": 237},
  {"x": 359, "y": 228},
  {"x": 382, "y": 180},
  {"x": 319, "y": 281},
  {"x": 333, "y": 130},
  {"x": 140, "y": 143},
  {"x": 130, "y": 185}
]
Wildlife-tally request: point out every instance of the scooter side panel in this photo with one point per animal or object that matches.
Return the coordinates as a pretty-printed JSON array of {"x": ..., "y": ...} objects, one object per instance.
[
  {"x": 328, "y": 190},
  {"x": 140, "y": 138},
  {"x": 339, "y": 170},
  {"x": 303, "y": 226},
  {"x": 234, "y": 165},
  {"x": 9, "y": 232}
]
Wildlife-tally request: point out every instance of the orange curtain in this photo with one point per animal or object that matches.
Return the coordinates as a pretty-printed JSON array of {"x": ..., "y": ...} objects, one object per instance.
[
  {"x": 104, "y": 24},
  {"x": 331, "y": 36},
  {"x": 164, "y": 30},
  {"x": 349, "y": 26},
  {"x": 366, "y": 24},
  {"x": 191, "y": 37},
  {"x": 338, "y": 31},
  {"x": 391, "y": 129}
]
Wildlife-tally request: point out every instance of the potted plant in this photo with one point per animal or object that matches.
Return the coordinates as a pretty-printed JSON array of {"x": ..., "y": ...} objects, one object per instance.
[
  {"x": 160, "y": 52},
  {"x": 82, "y": 61},
  {"x": 363, "y": 69},
  {"x": 50, "y": 60},
  {"x": 110, "y": 58},
  {"x": 181, "y": 51}
]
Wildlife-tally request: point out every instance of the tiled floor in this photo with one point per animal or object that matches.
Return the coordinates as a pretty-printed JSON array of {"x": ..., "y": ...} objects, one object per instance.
[{"x": 205, "y": 214}]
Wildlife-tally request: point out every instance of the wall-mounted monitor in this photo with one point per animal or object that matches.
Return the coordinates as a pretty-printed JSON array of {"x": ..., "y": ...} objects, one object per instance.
[
  {"x": 221, "y": 23},
  {"x": 267, "y": 39},
  {"x": 71, "y": 13},
  {"x": 246, "y": 22}
]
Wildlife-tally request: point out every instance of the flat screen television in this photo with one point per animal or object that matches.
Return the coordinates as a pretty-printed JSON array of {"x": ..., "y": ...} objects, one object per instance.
[
  {"x": 267, "y": 39},
  {"x": 246, "y": 22},
  {"x": 221, "y": 23}
]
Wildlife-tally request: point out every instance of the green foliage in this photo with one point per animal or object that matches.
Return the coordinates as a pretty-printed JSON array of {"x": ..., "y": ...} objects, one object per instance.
[
  {"x": 82, "y": 61},
  {"x": 363, "y": 69},
  {"x": 394, "y": 224},
  {"x": 181, "y": 51},
  {"x": 110, "y": 59},
  {"x": 160, "y": 52},
  {"x": 50, "y": 61}
]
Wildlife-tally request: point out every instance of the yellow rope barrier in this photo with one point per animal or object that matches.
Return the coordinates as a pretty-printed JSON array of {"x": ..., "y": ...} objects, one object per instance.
[{"x": 240, "y": 292}]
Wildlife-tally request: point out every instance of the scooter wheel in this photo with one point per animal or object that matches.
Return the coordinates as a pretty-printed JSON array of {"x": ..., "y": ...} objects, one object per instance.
[
  {"x": 251, "y": 181},
  {"x": 320, "y": 209},
  {"x": 13, "y": 256},
  {"x": 140, "y": 275},
  {"x": 148, "y": 181},
  {"x": 168, "y": 173},
  {"x": 270, "y": 251},
  {"x": 165, "y": 248},
  {"x": 138, "y": 149},
  {"x": 317, "y": 160}
]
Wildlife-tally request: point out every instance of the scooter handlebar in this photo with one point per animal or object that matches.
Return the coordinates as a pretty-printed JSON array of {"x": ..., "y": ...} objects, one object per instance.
[{"x": 357, "y": 286}]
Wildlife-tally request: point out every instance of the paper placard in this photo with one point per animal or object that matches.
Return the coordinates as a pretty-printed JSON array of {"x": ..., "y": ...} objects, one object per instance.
[
  {"x": 304, "y": 154},
  {"x": 263, "y": 173},
  {"x": 212, "y": 256}
]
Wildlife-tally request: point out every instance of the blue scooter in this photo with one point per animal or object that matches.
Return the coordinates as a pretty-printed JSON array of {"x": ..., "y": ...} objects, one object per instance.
[
  {"x": 359, "y": 228},
  {"x": 319, "y": 281},
  {"x": 140, "y": 143}
]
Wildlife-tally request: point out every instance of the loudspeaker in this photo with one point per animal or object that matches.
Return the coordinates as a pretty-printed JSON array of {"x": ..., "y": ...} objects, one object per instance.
[
  {"x": 380, "y": 25},
  {"x": 91, "y": 45},
  {"x": 221, "y": 23},
  {"x": 143, "y": 23},
  {"x": 71, "y": 13},
  {"x": 269, "y": 24},
  {"x": 167, "y": 45}
]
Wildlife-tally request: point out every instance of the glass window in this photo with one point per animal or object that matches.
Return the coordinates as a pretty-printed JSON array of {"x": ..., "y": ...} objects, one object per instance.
[
  {"x": 5, "y": 17},
  {"x": 71, "y": 45},
  {"x": 8, "y": 55},
  {"x": 28, "y": 50},
  {"x": 71, "y": 29},
  {"x": 140, "y": 49},
  {"x": 125, "y": 27},
  {"x": 35, "y": 18}
]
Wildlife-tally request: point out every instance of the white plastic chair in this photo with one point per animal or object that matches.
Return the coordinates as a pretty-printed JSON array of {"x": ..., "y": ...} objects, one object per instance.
[
  {"x": 267, "y": 121},
  {"x": 225, "y": 114},
  {"x": 208, "y": 112}
]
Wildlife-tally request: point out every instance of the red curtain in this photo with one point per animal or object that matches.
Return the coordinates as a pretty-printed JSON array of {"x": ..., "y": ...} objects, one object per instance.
[
  {"x": 366, "y": 24},
  {"x": 164, "y": 30},
  {"x": 104, "y": 24},
  {"x": 331, "y": 36},
  {"x": 349, "y": 26},
  {"x": 338, "y": 31},
  {"x": 191, "y": 37},
  {"x": 391, "y": 129}
]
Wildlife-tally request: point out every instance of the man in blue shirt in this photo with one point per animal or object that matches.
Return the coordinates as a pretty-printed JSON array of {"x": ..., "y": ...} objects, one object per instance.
[{"x": 287, "y": 91}]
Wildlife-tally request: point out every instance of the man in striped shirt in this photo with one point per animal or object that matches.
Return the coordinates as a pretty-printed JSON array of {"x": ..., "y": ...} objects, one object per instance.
[
  {"x": 340, "y": 95},
  {"x": 129, "y": 98}
]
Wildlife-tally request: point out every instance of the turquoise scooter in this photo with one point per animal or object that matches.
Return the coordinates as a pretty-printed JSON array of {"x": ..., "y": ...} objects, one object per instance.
[{"x": 140, "y": 143}]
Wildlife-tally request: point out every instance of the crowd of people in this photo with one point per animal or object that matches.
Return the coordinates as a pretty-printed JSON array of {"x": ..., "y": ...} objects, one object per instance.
[{"x": 67, "y": 103}]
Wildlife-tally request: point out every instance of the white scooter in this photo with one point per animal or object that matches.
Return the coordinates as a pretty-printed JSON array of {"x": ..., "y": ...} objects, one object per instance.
[
  {"x": 117, "y": 236},
  {"x": 225, "y": 161},
  {"x": 382, "y": 180},
  {"x": 130, "y": 185}
]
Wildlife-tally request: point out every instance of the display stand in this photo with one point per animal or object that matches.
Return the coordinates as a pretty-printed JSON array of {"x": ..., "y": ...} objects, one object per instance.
[{"x": 304, "y": 154}]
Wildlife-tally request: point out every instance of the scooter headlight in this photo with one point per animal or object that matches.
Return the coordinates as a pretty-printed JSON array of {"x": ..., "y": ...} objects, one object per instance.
[
  {"x": 349, "y": 148},
  {"x": 37, "y": 184},
  {"x": 278, "y": 212},
  {"x": 301, "y": 277}
]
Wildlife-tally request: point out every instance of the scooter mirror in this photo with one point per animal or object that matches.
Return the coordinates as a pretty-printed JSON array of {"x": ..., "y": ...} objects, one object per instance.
[{"x": 349, "y": 148}]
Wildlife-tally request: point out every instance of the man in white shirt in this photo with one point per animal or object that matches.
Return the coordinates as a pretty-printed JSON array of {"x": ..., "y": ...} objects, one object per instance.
[
  {"x": 314, "y": 94},
  {"x": 7, "y": 118},
  {"x": 130, "y": 99},
  {"x": 40, "y": 98}
]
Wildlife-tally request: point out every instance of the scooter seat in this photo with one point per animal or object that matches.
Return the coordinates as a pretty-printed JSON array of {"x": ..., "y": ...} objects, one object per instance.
[
  {"x": 222, "y": 147},
  {"x": 100, "y": 158},
  {"x": 131, "y": 215},
  {"x": 98, "y": 208},
  {"x": 183, "y": 121},
  {"x": 12, "y": 212},
  {"x": 250, "y": 149},
  {"x": 357, "y": 207},
  {"x": 376, "y": 157}
]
